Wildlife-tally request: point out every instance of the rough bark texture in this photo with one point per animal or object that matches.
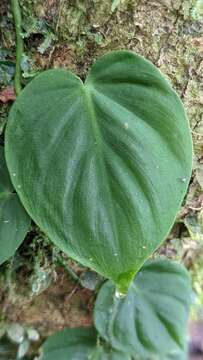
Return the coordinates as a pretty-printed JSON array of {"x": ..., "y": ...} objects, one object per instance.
[{"x": 167, "y": 32}]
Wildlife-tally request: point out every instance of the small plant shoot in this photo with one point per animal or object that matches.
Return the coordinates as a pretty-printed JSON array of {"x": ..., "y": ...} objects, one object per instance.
[{"x": 102, "y": 167}]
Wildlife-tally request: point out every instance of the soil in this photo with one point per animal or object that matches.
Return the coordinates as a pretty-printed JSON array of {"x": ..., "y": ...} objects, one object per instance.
[{"x": 63, "y": 304}]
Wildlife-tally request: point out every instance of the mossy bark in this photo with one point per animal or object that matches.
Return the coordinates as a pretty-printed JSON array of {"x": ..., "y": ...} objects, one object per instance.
[{"x": 167, "y": 32}]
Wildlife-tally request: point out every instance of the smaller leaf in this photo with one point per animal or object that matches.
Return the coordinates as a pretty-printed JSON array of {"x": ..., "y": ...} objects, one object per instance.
[
  {"x": 40, "y": 280},
  {"x": 16, "y": 333},
  {"x": 80, "y": 344},
  {"x": 7, "y": 71},
  {"x": 90, "y": 280},
  {"x": 14, "y": 221},
  {"x": 152, "y": 318},
  {"x": 115, "y": 4},
  {"x": 70, "y": 344}
]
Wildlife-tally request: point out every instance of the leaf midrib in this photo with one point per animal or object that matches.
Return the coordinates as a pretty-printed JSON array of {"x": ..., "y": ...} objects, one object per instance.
[{"x": 98, "y": 137}]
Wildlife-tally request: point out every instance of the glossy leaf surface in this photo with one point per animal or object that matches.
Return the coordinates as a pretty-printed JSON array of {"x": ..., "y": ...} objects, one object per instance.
[
  {"x": 80, "y": 344},
  {"x": 152, "y": 318},
  {"x": 14, "y": 221},
  {"x": 70, "y": 344},
  {"x": 103, "y": 166}
]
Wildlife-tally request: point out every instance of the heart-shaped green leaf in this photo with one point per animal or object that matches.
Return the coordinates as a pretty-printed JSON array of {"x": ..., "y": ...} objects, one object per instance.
[
  {"x": 102, "y": 166},
  {"x": 70, "y": 344},
  {"x": 78, "y": 344},
  {"x": 152, "y": 319},
  {"x": 14, "y": 221}
]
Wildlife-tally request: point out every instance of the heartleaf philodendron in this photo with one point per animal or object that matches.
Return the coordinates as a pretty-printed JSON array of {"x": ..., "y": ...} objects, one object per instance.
[
  {"x": 149, "y": 323},
  {"x": 157, "y": 302},
  {"x": 80, "y": 344},
  {"x": 70, "y": 344},
  {"x": 14, "y": 221},
  {"x": 103, "y": 165}
]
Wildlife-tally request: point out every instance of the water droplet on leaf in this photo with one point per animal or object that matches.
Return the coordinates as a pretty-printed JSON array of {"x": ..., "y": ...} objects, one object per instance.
[{"x": 119, "y": 295}]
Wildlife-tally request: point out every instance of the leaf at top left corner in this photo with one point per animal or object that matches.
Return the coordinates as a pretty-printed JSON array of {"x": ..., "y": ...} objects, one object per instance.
[{"x": 14, "y": 221}]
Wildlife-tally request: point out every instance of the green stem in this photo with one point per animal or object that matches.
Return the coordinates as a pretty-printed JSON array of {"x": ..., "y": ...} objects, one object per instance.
[{"x": 19, "y": 44}]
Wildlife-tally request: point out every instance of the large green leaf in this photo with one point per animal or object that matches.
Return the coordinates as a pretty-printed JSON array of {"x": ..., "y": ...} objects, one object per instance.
[
  {"x": 14, "y": 221},
  {"x": 78, "y": 344},
  {"x": 102, "y": 167},
  {"x": 152, "y": 319}
]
